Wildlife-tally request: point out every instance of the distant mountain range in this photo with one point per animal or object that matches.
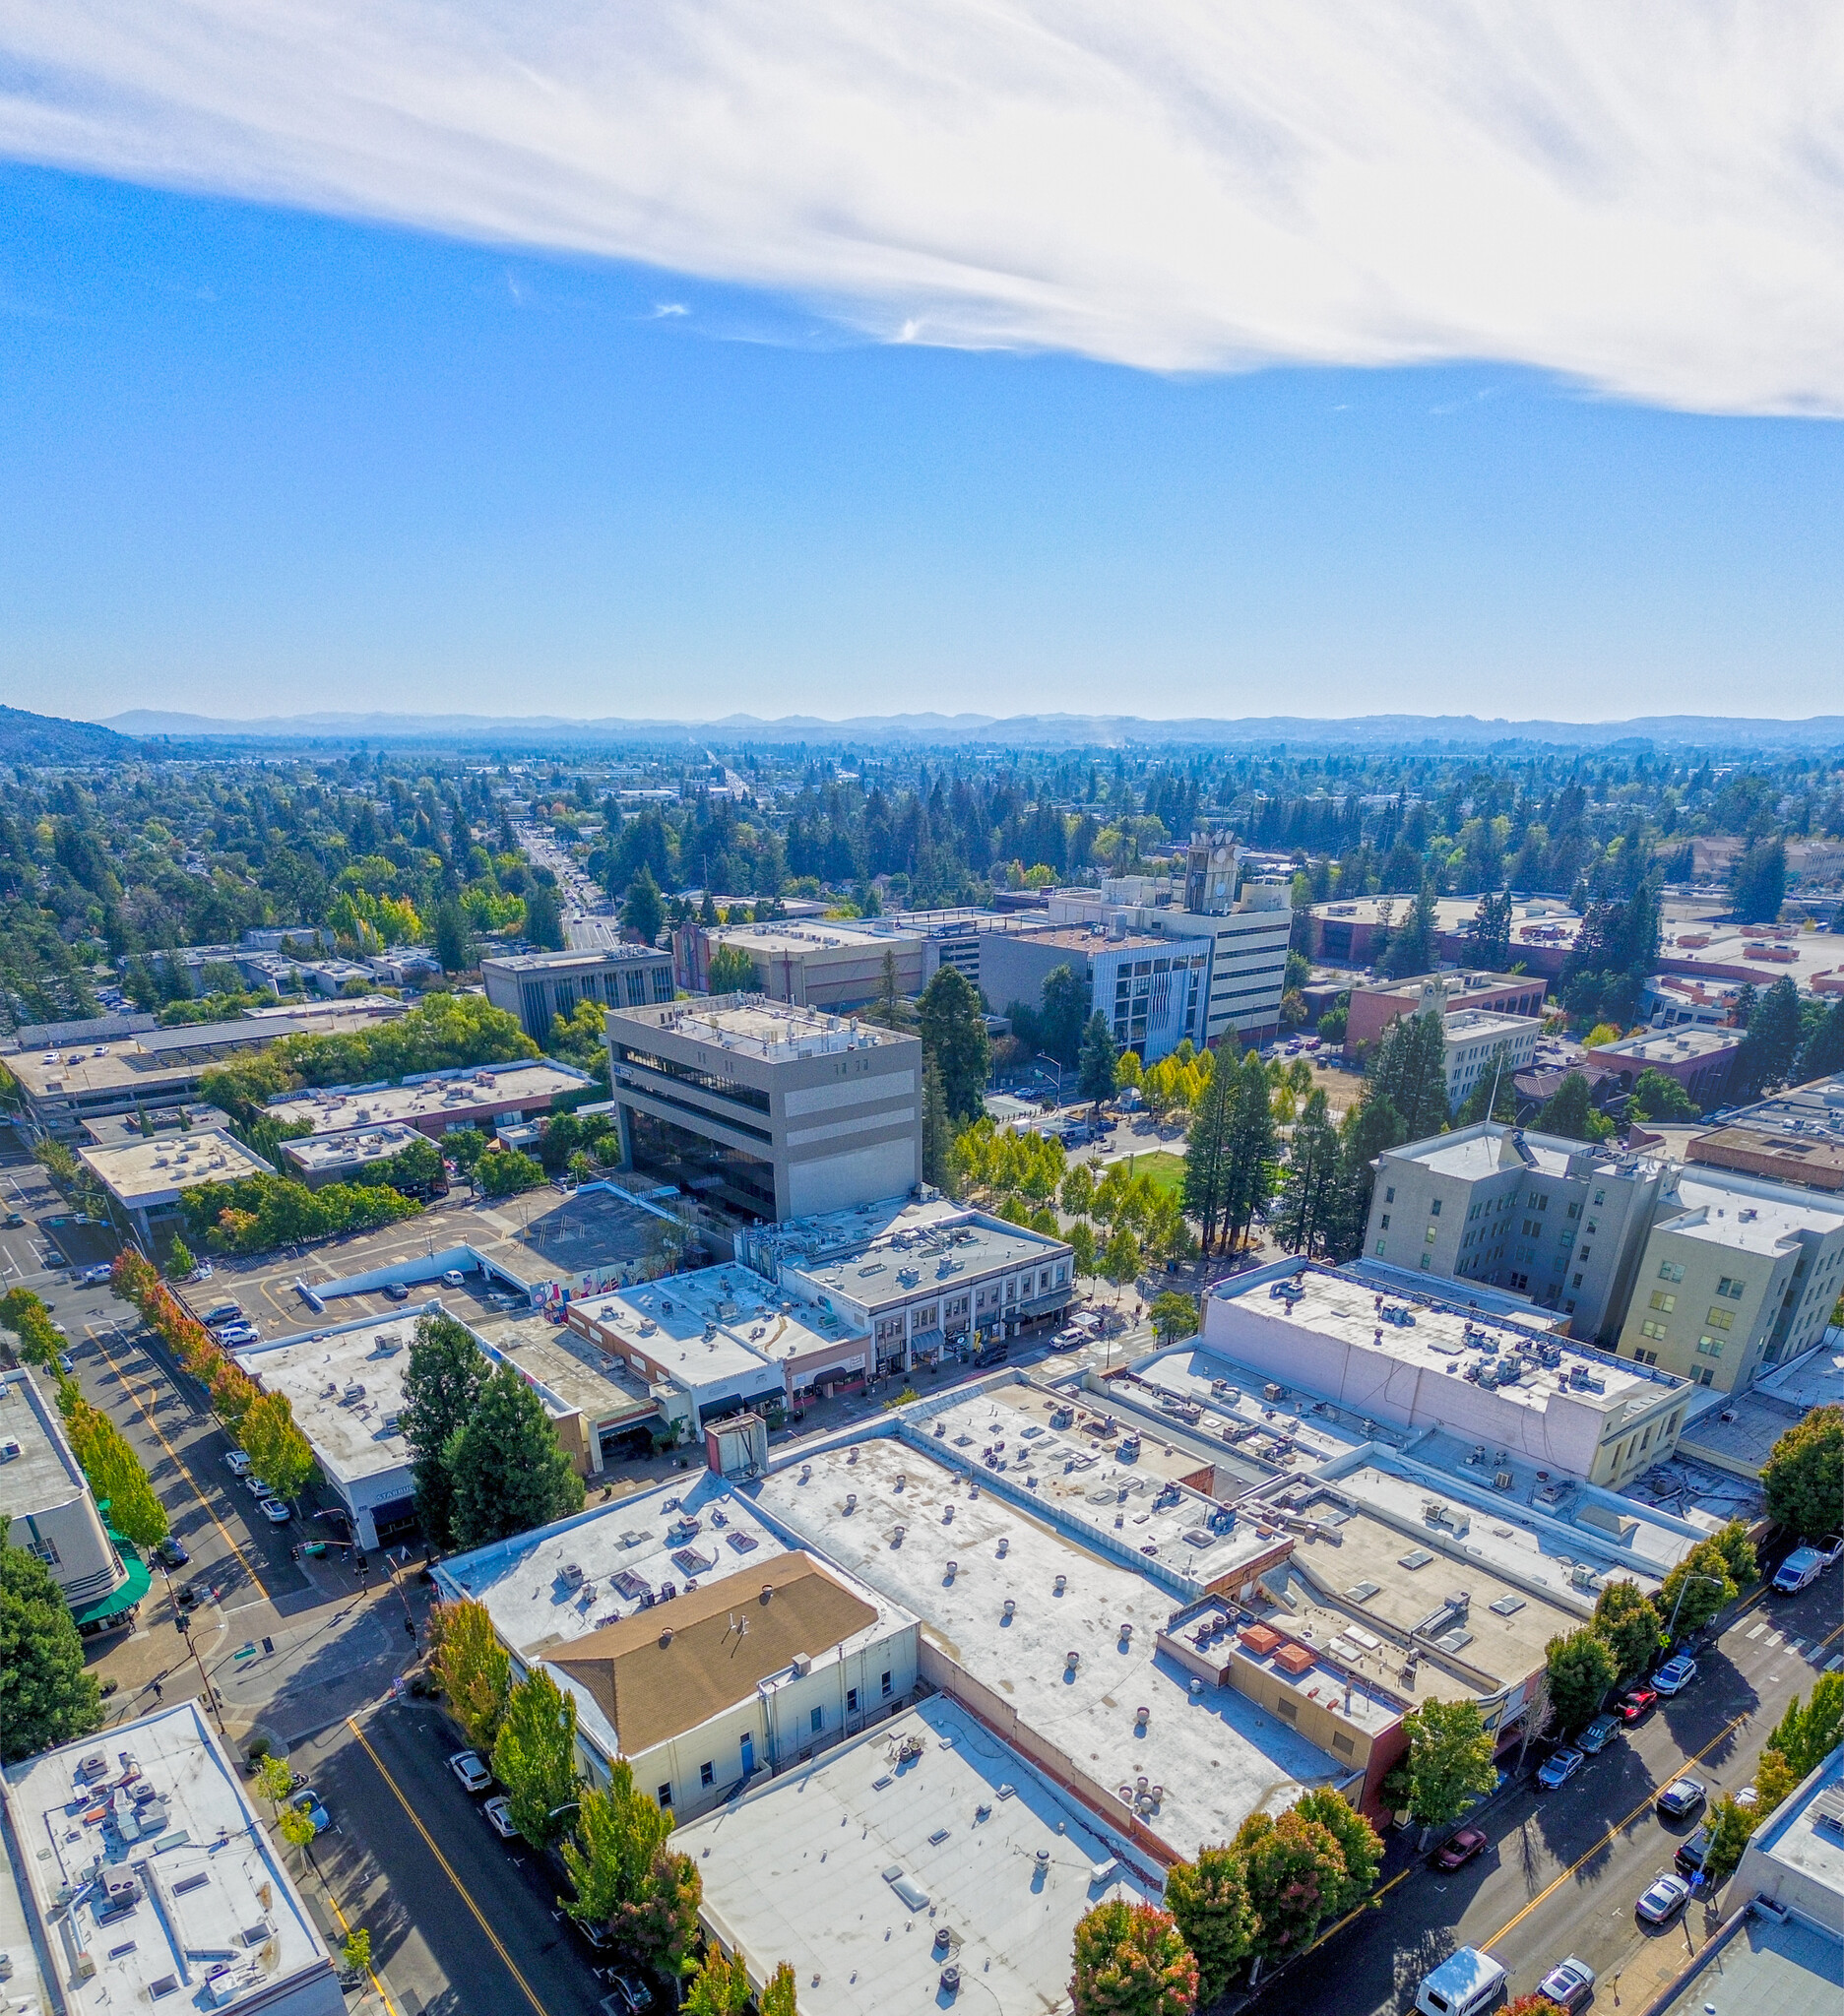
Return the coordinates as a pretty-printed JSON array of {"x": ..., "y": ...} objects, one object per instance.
[
  {"x": 43, "y": 738},
  {"x": 1031, "y": 730}
]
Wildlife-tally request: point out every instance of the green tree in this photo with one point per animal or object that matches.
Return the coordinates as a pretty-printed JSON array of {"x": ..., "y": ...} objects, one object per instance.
[
  {"x": 474, "y": 1668},
  {"x": 662, "y": 1927},
  {"x": 642, "y": 911},
  {"x": 1580, "y": 1667},
  {"x": 1709, "y": 1577},
  {"x": 441, "y": 1385},
  {"x": 954, "y": 1035},
  {"x": 1368, "y": 1130},
  {"x": 46, "y": 1697},
  {"x": 275, "y": 1780},
  {"x": 1570, "y": 1111},
  {"x": 1496, "y": 1091},
  {"x": 937, "y": 1130},
  {"x": 1078, "y": 1190},
  {"x": 1761, "y": 881},
  {"x": 535, "y": 1756},
  {"x": 1308, "y": 1201},
  {"x": 1081, "y": 1238},
  {"x": 1775, "y": 1778},
  {"x": 297, "y": 1827},
  {"x": 1127, "y": 1071},
  {"x": 1658, "y": 1098},
  {"x": 1208, "y": 1147},
  {"x": 1807, "y": 1736},
  {"x": 1624, "y": 1616},
  {"x": 1411, "y": 945},
  {"x": 1409, "y": 1068},
  {"x": 731, "y": 971},
  {"x": 1804, "y": 1477},
  {"x": 1823, "y": 1052},
  {"x": 889, "y": 1010},
  {"x": 719, "y": 1988},
  {"x": 1173, "y": 1315},
  {"x": 506, "y": 1173},
  {"x": 509, "y": 1472},
  {"x": 1730, "y": 1826},
  {"x": 1295, "y": 1872},
  {"x": 454, "y": 938},
  {"x": 180, "y": 1262},
  {"x": 1094, "y": 1070},
  {"x": 1449, "y": 1760},
  {"x": 1489, "y": 934},
  {"x": 619, "y": 1832},
  {"x": 114, "y": 1470},
  {"x": 1254, "y": 1151},
  {"x": 1120, "y": 1263},
  {"x": 1358, "y": 1842},
  {"x": 1208, "y": 1900},
  {"x": 464, "y": 1147},
  {"x": 1064, "y": 1012},
  {"x": 355, "y": 1954},
  {"x": 543, "y": 915},
  {"x": 778, "y": 1996},
  {"x": 279, "y": 1453},
  {"x": 1131, "y": 1960}
]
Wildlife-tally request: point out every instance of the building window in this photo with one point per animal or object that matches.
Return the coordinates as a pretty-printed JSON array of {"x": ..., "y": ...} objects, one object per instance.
[
  {"x": 850, "y": 1700},
  {"x": 1389, "y": 1195},
  {"x": 1668, "y": 1270},
  {"x": 1343, "y": 1745},
  {"x": 1289, "y": 1711},
  {"x": 817, "y": 1721},
  {"x": 1434, "y": 1209},
  {"x": 1721, "y": 1319},
  {"x": 887, "y": 1686},
  {"x": 1426, "y": 1257},
  {"x": 1733, "y": 1288},
  {"x": 1428, "y": 1237},
  {"x": 1576, "y": 1283},
  {"x": 1380, "y": 1244},
  {"x": 1709, "y": 1346},
  {"x": 1385, "y": 1220},
  {"x": 46, "y": 1550},
  {"x": 1600, "y": 1197},
  {"x": 664, "y": 1798},
  {"x": 707, "y": 1774},
  {"x": 1656, "y": 1331},
  {"x": 1661, "y": 1301}
]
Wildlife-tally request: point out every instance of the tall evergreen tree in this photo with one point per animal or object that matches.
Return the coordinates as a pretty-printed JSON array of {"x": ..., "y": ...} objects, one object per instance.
[
  {"x": 1096, "y": 1063},
  {"x": 954, "y": 1035},
  {"x": 46, "y": 1697},
  {"x": 1207, "y": 1147},
  {"x": 937, "y": 1130},
  {"x": 1409, "y": 1069},
  {"x": 1367, "y": 1131},
  {"x": 441, "y": 1385},
  {"x": 1411, "y": 947},
  {"x": 1308, "y": 1204},
  {"x": 1254, "y": 1151},
  {"x": 508, "y": 1472}
]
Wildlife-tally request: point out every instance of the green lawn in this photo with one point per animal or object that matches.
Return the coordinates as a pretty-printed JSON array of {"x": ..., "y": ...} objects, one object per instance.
[{"x": 1164, "y": 1170}]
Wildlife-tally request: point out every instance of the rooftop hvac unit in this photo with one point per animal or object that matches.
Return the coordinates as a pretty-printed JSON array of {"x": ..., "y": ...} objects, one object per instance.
[{"x": 1504, "y": 1480}]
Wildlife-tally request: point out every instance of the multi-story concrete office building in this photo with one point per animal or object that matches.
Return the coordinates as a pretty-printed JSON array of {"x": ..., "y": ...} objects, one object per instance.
[
  {"x": 150, "y": 1878},
  {"x": 1245, "y": 911},
  {"x": 1561, "y": 1221},
  {"x": 1375, "y": 1006},
  {"x": 823, "y": 963},
  {"x": 45, "y": 1495},
  {"x": 764, "y": 1111},
  {"x": 536, "y": 986},
  {"x": 1428, "y": 1362},
  {"x": 1795, "y": 1137},
  {"x": 1472, "y": 1040},
  {"x": 1152, "y": 988},
  {"x": 1738, "y": 1275}
]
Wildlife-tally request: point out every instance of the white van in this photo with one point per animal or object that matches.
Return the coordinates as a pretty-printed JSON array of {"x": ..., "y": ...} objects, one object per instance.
[{"x": 1467, "y": 1984}]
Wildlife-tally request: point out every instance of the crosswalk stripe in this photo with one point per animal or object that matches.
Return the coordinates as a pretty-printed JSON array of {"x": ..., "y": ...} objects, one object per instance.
[{"x": 1757, "y": 1630}]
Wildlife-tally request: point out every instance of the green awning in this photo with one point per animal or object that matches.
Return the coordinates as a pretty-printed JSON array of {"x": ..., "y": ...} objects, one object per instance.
[{"x": 140, "y": 1580}]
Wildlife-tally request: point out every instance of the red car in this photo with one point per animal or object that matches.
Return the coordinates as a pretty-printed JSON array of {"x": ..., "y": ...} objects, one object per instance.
[
  {"x": 1461, "y": 1850},
  {"x": 1637, "y": 1703}
]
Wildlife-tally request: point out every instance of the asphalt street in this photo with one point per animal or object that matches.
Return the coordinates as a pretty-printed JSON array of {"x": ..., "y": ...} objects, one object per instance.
[{"x": 1563, "y": 1869}]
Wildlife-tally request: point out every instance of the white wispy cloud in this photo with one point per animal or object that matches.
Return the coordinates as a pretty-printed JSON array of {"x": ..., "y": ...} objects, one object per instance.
[{"x": 1647, "y": 196}]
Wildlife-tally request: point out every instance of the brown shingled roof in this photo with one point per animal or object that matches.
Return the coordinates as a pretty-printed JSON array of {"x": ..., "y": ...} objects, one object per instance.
[{"x": 666, "y": 1669}]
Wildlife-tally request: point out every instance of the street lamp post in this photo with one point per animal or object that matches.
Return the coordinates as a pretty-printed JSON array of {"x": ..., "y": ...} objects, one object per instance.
[{"x": 1714, "y": 1581}]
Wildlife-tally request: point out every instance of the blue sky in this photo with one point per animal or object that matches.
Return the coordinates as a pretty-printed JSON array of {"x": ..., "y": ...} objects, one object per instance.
[{"x": 255, "y": 460}]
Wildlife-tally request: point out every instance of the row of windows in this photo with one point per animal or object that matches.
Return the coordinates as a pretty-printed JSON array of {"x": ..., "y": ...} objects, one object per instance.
[{"x": 817, "y": 1725}]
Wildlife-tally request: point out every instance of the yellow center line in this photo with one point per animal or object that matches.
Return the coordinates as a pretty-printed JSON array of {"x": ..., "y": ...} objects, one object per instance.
[
  {"x": 1376, "y": 1897},
  {"x": 345, "y": 1927},
  {"x": 1613, "y": 1828},
  {"x": 134, "y": 1393},
  {"x": 428, "y": 1840}
]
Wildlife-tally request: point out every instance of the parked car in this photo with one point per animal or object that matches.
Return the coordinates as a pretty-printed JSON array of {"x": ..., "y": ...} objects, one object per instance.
[
  {"x": 1637, "y": 1703},
  {"x": 276, "y": 1512},
  {"x": 1676, "y": 1674},
  {"x": 67, "y": 1365},
  {"x": 1559, "y": 1769},
  {"x": 1663, "y": 1900},
  {"x": 237, "y": 1463},
  {"x": 468, "y": 1767},
  {"x": 1800, "y": 1570},
  {"x": 307, "y": 1800},
  {"x": 93, "y": 1277},
  {"x": 397, "y": 1291},
  {"x": 1691, "y": 1852},
  {"x": 234, "y": 1335},
  {"x": 452, "y": 1278},
  {"x": 1598, "y": 1734},
  {"x": 170, "y": 1554},
  {"x": 1680, "y": 1798},
  {"x": 1468, "y": 1983},
  {"x": 1461, "y": 1850},
  {"x": 224, "y": 1312},
  {"x": 629, "y": 1994},
  {"x": 255, "y": 1486},
  {"x": 498, "y": 1813},
  {"x": 13, "y": 1220},
  {"x": 1569, "y": 1985}
]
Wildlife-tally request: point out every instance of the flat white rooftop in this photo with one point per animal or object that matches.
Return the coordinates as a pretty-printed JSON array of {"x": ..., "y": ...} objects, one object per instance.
[
  {"x": 1472, "y": 1153},
  {"x": 773, "y": 1032},
  {"x": 1747, "y": 1217},
  {"x": 995, "y": 1865},
  {"x": 457, "y": 1093},
  {"x": 45, "y": 1473},
  {"x": 1218, "y": 1757},
  {"x": 353, "y": 1148},
  {"x": 1098, "y": 1482},
  {"x": 176, "y": 1886},
  {"x": 675, "y": 1322},
  {"x": 1486, "y": 1025},
  {"x": 145, "y": 1174},
  {"x": 1671, "y": 1046},
  {"x": 545, "y": 1588}
]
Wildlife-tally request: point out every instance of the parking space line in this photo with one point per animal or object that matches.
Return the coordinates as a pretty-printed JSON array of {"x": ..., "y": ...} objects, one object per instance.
[
  {"x": 134, "y": 1393},
  {"x": 1614, "y": 1828},
  {"x": 460, "y": 1889}
]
